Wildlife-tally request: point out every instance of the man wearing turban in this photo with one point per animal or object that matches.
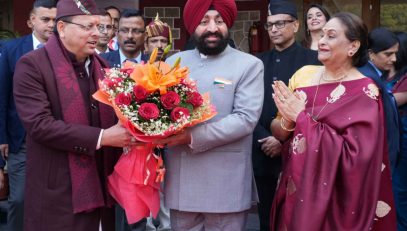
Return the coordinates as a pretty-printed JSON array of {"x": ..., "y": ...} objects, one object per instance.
[
  {"x": 209, "y": 179},
  {"x": 158, "y": 35}
]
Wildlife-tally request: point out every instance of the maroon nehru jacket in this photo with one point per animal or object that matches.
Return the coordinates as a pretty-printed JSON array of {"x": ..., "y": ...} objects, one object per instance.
[{"x": 195, "y": 10}]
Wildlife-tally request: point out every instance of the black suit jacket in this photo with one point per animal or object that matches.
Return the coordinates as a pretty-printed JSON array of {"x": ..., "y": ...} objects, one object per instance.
[{"x": 277, "y": 66}]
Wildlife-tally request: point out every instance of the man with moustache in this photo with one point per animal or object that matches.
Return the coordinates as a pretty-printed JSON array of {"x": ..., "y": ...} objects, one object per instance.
[
  {"x": 105, "y": 34},
  {"x": 158, "y": 35},
  {"x": 280, "y": 63},
  {"x": 208, "y": 183},
  {"x": 70, "y": 136},
  {"x": 130, "y": 37},
  {"x": 12, "y": 133}
]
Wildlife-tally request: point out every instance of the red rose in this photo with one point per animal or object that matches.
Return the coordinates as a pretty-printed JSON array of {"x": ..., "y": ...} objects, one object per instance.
[
  {"x": 140, "y": 93},
  {"x": 195, "y": 99},
  {"x": 148, "y": 111},
  {"x": 179, "y": 113},
  {"x": 170, "y": 100},
  {"x": 123, "y": 99},
  {"x": 113, "y": 82}
]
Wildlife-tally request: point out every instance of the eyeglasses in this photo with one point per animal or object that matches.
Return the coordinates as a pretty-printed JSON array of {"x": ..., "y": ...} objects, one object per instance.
[
  {"x": 279, "y": 24},
  {"x": 89, "y": 27},
  {"x": 134, "y": 31},
  {"x": 103, "y": 27}
]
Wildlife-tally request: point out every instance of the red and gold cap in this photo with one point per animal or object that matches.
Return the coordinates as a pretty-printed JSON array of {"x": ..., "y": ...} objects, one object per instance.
[{"x": 158, "y": 28}]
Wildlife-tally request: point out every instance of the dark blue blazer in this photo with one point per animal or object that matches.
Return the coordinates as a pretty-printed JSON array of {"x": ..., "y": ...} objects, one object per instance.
[
  {"x": 11, "y": 128},
  {"x": 369, "y": 70},
  {"x": 390, "y": 110},
  {"x": 113, "y": 58}
]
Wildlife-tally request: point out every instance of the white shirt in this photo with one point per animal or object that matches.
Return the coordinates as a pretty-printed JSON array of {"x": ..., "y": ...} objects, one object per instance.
[
  {"x": 123, "y": 57},
  {"x": 36, "y": 42},
  {"x": 105, "y": 51}
]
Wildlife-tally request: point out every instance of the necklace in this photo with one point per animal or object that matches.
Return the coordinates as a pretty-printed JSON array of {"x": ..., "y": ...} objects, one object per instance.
[
  {"x": 323, "y": 76},
  {"x": 335, "y": 95}
]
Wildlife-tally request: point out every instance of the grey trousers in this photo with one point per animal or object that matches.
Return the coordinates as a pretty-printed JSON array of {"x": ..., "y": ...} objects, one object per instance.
[
  {"x": 16, "y": 174},
  {"x": 163, "y": 218},
  {"x": 194, "y": 221}
]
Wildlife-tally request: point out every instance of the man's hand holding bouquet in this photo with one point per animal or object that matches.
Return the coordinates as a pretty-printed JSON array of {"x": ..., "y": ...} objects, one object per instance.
[{"x": 153, "y": 101}]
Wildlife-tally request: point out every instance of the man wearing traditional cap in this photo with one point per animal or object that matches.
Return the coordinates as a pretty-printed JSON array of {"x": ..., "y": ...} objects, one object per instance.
[
  {"x": 158, "y": 35},
  {"x": 280, "y": 63},
  {"x": 130, "y": 38},
  {"x": 209, "y": 179},
  {"x": 69, "y": 134},
  {"x": 12, "y": 133}
]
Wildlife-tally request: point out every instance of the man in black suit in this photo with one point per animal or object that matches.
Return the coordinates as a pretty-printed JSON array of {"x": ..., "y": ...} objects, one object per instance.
[
  {"x": 12, "y": 133},
  {"x": 130, "y": 37}
]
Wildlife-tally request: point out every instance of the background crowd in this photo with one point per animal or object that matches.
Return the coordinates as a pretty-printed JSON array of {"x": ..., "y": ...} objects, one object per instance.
[{"x": 314, "y": 131}]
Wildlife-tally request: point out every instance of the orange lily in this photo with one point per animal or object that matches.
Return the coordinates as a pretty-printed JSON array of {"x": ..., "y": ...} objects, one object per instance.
[{"x": 157, "y": 75}]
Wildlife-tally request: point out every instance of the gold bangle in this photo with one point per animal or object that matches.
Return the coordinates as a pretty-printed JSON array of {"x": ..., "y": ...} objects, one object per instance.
[{"x": 284, "y": 127}]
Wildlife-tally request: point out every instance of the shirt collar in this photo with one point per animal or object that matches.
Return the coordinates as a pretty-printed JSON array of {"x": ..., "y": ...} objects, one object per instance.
[
  {"x": 291, "y": 47},
  {"x": 123, "y": 57},
  {"x": 105, "y": 51},
  {"x": 36, "y": 42},
  {"x": 376, "y": 69}
]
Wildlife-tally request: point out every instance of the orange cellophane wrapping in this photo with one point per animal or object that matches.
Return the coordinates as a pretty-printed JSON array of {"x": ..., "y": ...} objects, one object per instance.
[{"x": 133, "y": 182}]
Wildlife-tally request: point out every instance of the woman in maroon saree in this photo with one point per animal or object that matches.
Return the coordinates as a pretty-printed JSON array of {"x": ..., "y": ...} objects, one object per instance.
[{"x": 336, "y": 173}]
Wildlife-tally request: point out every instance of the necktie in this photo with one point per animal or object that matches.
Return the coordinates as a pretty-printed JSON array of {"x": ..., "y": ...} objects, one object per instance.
[
  {"x": 132, "y": 60},
  {"x": 40, "y": 45}
]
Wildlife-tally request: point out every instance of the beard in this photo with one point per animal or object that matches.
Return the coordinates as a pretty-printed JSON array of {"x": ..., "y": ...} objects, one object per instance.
[{"x": 211, "y": 48}]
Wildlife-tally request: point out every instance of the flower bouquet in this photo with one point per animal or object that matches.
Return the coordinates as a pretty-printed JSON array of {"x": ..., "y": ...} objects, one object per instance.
[{"x": 152, "y": 100}]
